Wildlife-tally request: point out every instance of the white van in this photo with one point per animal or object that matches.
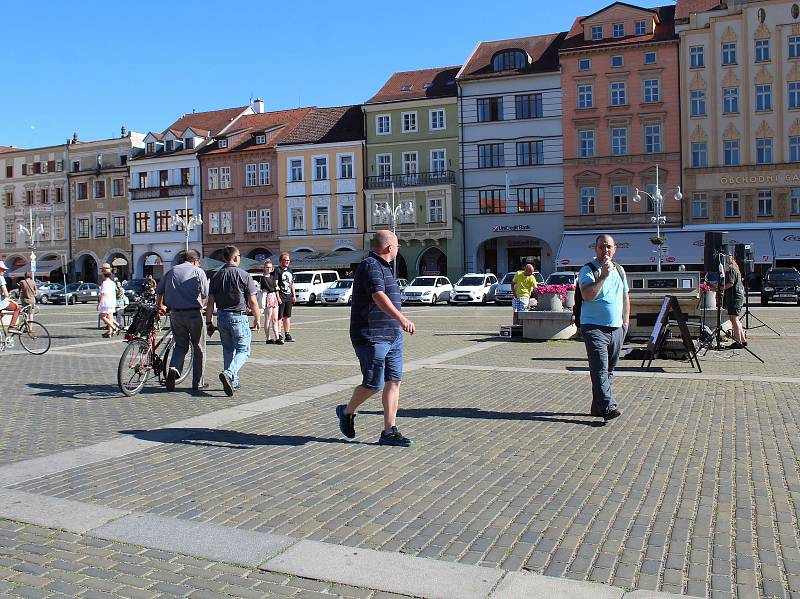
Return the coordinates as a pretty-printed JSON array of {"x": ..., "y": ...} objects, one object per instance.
[{"x": 309, "y": 284}]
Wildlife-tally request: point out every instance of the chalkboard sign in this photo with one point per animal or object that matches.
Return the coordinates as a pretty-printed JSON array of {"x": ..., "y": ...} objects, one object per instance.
[{"x": 659, "y": 334}]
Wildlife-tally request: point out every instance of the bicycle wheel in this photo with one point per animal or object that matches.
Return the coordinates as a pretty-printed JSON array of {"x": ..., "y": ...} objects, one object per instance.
[
  {"x": 134, "y": 367},
  {"x": 187, "y": 362},
  {"x": 35, "y": 338}
]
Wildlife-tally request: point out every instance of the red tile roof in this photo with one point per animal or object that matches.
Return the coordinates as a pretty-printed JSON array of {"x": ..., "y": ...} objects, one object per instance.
[
  {"x": 327, "y": 125},
  {"x": 8, "y": 148},
  {"x": 684, "y": 8},
  {"x": 664, "y": 30},
  {"x": 243, "y": 137},
  {"x": 541, "y": 49},
  {"x": 418, "y": 85},
  {"x": 213, "y": 120}
]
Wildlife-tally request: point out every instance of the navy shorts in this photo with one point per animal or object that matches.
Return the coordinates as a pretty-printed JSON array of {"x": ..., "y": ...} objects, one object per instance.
[{"x": 380, "y": 362}]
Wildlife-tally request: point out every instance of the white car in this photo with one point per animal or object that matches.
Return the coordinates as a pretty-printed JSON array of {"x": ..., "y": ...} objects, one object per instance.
[
  {"x": 427, "y": 290},
  {"x": 562, "y": 278},
  {"x": 474, "y": 288},
  {"x": 310, "y": 284},
  {"x": 340, "y": 292}
]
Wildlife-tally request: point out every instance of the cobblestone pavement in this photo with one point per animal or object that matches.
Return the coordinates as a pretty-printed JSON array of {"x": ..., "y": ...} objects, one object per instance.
[{"x": 693, "y": 490}]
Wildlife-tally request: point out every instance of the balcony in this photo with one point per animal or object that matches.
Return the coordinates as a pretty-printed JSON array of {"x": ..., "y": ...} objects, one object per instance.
[
  {"x": 415, "y": 180},
  {"x": 164, "y": 191}
]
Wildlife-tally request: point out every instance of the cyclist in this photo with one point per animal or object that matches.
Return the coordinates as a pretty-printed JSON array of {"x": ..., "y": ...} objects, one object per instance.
[{"x": 6, "y": 303}]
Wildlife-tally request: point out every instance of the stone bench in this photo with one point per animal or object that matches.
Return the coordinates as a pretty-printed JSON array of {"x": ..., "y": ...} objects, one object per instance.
[{"x": 540, "y": 324}]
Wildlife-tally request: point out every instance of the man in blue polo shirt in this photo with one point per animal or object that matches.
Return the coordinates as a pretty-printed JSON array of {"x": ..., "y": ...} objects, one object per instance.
[
  {"x": 605, "y": 314},
  {"x": 376, "y": 331}
]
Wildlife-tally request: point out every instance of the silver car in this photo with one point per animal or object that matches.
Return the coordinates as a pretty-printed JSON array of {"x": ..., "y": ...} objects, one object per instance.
[
  {"x": 503, "y": 294},
  {"x": 83, "y": 293},
  {"x": 45, "y": 290}
]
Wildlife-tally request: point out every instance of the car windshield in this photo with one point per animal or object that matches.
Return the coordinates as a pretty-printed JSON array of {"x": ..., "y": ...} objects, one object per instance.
[
  {"x": 423, "y": 282},
  {"x": 508, "y": 278},
  {"x": 303, "y": 277},
  {"x": 53, "y": 286},
  {"x": 341, "y": 284},
  {"x": 470, "y": 281},
  {"x": 783, "y": 275},
  {"x": 560, "y": 279},
  {"x": 72, "y": 286}
]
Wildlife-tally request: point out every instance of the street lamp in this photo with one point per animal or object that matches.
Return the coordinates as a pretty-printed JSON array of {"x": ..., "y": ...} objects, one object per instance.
[
  {"x": 32, "y": 233},
  {"x": 188, "y": 224},
  {"x": 658, "y": 207},
  {"x": 393, "y": 214}
]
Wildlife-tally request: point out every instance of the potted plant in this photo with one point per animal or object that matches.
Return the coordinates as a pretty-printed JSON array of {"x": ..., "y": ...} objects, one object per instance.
[
  {"x": 658, "y": 240},
  {"x": 708, "y": 296},
  {"x": 551, "y": 297}
]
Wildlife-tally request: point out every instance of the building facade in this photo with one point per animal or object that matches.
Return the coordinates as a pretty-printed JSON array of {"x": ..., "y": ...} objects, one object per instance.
[
  {"x": 165, "y": 182},
  {"x": 411, "y": 128},
  {"x": 619, "y": 73},
  {"x": 98, "y": 195},
  {"x": 511, "y": 153},
  {"x": 320, "y": 184},
  {"x": 740, "y": 81},
  {"x": 34, "y": 189}
]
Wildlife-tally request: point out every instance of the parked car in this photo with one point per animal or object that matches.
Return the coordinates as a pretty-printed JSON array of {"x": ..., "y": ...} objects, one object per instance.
[
  {"x": 339, "y": 292},
  {"x": 754, "y": 282},
  {"x": 474, "y": 288},
  {"x": 133, "y": 289},
  {"x": 402, "y": 283},
  {"x": 503, "y": 294},
  {"x": 781, "y": 284},
  {"x": 427, "y": 290},
  {"x": 562, "y": 278},
  {"x": 74, "y": 293},
  {"x": 310, "y": 284},
  {"x": 44, "y": 291}
]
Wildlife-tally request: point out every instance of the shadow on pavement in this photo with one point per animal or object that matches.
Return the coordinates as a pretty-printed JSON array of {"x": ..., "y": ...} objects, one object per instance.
[
  {"x": 579, "y": 418},
  {"x": 82, "y": 391},
  {"x": 228, "y": 439}
]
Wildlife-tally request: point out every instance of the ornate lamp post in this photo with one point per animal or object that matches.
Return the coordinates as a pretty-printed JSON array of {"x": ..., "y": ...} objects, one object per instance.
[
  {"x": 33, "y": 234},
  {"x": 658, "y": 218},
  {"x": 393, "y": 214},
  {"x": 188, "y": 224}
]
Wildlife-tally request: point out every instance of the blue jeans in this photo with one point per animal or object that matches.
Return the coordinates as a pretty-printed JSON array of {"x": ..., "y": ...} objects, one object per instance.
[
  {"x": 380, "y": 362},
  {"x": 235, "y": 335},
  {"x": 602, "y": 348}
]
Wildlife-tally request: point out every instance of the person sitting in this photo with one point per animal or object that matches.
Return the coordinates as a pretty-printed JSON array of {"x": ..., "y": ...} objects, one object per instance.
[{"x": 6, "y": 303}]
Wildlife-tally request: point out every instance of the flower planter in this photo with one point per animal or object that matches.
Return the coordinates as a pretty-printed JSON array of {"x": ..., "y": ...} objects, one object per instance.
[
  {"x": 542, "y": 325},
  {"x": 709, "y": 300},
  {"x": 550, "y": 302},
  {"x": 569, "y": 301}
]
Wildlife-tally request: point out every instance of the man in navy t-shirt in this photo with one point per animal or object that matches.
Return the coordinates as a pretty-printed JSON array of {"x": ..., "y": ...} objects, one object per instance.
[{"x": 376, "y": 331}]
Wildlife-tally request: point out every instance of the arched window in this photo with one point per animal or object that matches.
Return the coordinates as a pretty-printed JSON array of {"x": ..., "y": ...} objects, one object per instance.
[{"x": 508, "y": 60}]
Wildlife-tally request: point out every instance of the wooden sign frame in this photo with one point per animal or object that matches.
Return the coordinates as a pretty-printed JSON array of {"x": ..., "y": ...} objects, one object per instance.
[{"x": 659, "y": 334}]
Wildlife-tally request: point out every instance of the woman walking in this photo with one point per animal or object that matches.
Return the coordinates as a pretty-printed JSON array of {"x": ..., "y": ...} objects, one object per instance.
[
  {"x": 107, "y": 304},
  {"x": 269, "y": 289}
]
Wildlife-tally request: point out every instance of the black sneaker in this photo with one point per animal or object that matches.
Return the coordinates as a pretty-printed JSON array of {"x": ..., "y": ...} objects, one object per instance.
[
  {"x": 611, "y": 414},
  {"x": 395, "y": 438},
  {"x": 226, "y": 383},
  {"x": 172, "y": 376},
  {"x": 346, "y": 422},
  {"x": 270, "y": 342},
  {"x": 279, "y": 341},
  {"x": 288, "y": 338}
]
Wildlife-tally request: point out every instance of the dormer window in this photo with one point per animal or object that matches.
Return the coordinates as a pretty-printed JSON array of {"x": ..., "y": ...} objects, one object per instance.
[
  {"x": 170, "y": 145},
  {"x": 597, "y": 32},
  {"x": 618, "y": 29},
  {"x": 188, "y": 143},
  {"x": 261, "y": 139},
  {"x": 640, "y": 27},
  {"x": 222, "y": 143},
  {"x": 405, "y": 88},
  {"x": 509, "y": 60},
  {"x": 151, "y": 147}
]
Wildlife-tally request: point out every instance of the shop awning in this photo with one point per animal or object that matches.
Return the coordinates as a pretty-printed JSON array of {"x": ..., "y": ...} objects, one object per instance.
[
  {"x": 210, "y": 264},
  {"x": 119, "y": 262},
  {"x": 632, "y": 248},
  {"x": 326, "y": 260},
  {"x": 787, "y": 244},
  {"x": 43, "y": 267},
  {"x": 687, "y": 247}
]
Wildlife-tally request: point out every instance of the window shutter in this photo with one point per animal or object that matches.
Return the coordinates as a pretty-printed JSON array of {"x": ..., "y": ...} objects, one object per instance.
[
  {"x": 24, "y": 169},
  {"x": 51, "y": 165},
  {"x": 37, "y": 168}
]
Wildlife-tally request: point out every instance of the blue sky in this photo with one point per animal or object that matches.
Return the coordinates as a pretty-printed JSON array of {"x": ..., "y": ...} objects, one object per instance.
[{"x": 94, "y": 66}]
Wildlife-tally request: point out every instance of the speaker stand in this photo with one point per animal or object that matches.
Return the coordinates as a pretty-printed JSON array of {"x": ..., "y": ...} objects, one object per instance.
[{"x": 748, "y": 315}]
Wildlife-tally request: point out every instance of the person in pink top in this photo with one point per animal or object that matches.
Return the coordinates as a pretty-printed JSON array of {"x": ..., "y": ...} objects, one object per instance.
[{"x": 269, "y": 290}]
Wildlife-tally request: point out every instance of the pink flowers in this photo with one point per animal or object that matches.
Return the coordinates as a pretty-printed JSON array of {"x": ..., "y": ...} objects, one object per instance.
[
  {"x": 706, "y": 287},
  {"x": 561, "y": 290}
]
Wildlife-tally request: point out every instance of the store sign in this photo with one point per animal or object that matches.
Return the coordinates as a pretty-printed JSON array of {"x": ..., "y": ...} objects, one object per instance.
[
  {"x": 794, "y": 238},
  {"x": 760, "y": 179},
  {"x": 747, "y": 180},
  {"x": 509, "y": 228}
]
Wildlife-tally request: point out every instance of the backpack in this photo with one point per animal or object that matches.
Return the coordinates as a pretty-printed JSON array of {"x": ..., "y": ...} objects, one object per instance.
[{"x": 576, "y": 309}]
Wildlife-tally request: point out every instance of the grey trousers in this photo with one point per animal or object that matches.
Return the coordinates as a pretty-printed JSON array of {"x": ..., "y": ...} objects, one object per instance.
[
  {"x": 189, "y": 327},
  {"x": 602, "y": 348}
]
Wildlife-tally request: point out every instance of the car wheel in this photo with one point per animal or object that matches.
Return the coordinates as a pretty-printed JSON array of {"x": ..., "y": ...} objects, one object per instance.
[
  {"x": 350, "y": 301},
  {"x": 44, "y": 300},
  {"x": 434, "y": 300},
  {"x": 311, "y": 299},
  {"x": 764, "y": 301},
  {"x": 484, "y": 300},
  {"x": 72, "y": 300}
]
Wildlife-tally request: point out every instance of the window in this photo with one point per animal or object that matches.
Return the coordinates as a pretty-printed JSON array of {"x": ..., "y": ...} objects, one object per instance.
[
  {"x": 764, "y": 97},
  {"x": 699, "y": 205},
  {"x": 436, "y": 119},
  {"x": 764, "y": 202},
  {"x": 59, "y": 228},
  {"x": 597, "y": 32},
  {"x": 652, "y": 138},
  {"x": 795, "y": 202},
  {"x": 150, "y": 148},
  {"x": 265, "y": 220},
  {"x": 619, "y": 141},
  {"x": 640, "y": 28},
  {"x": 617, "y": 61},
  {"x": 99, "y": 189},
  {"x": 43, "y": 167},
  {"x": 409, "y": 120},
  {"x": 588, "y": 195},
  {"x": 44, "y": 196},
  {"x": 117, "y": 187},
  {"x": 347, "y": 215},
  {"x": 652, "y": 91},
  {"x": 730, "y": 100},
  {"x": 794, "y": 94},
  {"x": 530, "y": 153},
  {"x": 297, "y": 217},
  {"x": 59, "y": 167},
  {"x": 163, "y": 220},
  {"x": 321, "y": 218},
  {"x": 586, "y": 143},
  {"x": 9, "y": 233},
  {"x": 213, "y": 178},
  {"x": 141, "y": 222},
  {"x": 251, "y": 221},
  {"x": 439, "y": 162},
  {"x": 697, "y": 59},
  {"x": 730, "y": 152},
  {"x": 764, "y": 150},
  {"x": 492, "y": 201},
  {"x": 213, "y": 223},
  {"x": 698, "y": 102},
  {"x": 142, "y": 180},
  {"x": 490, "y": 109},
  {"x": 163, "y": 178},
  {"x": 410, "y": 163},
  {"x": 380, "y": 214},
  {"x": 530, "y": 199},
  {"x": 794, "y": 148},
  {"x": 383, "y": 124},
  {"x": 224, "y": 177},
  {"x": 346, "y": 166},
  {"x": 320, "y": 168},
  {"x": 584, "y": 64},
  {"x": 585, "y": 96},
  {"x": 699, "y": 155},
  {"x": 46, "y": 228},
  {"x": 263, "y": 173},
  {"x": 649, "y": 58},
  {"x": 732, "y": 204},
  {"x": 100, "y": 227},
  {"x": 9, "y": 171},
  {"x": 490, "y": 155},
  {"x": 762, "y": 50},
  {"x": 8, "y": 199},
  {"x": 83, "y": 228},
  {"x": 384, "y": 165},
  {"x": 618, "y": 96},
  {"x": 29, "y": 197},
  {"x": 250, "y": 175},
  {"x": 435, "y": 210},
  {"x": 528, "y": 106},
  {"x": 226, "y": 223},
  {"x": 119, "y": 226},
  {"x": 508, "y": 60},
  {"x": 59, "y": 194},
  {"x": 651, "y": 189},
  {"x": 729, "y": 53},
  {"x": 794, "y": 46},
  {"x": 620, "y": 198},
  {"x": 295, "y": 170},
  {"x": 169, "y": 146},
  {"x": 618, "y": 30},
  {"x": 261, "y": 139},
  {"x": 222, "y": 143},
  {"x": 185, "y": 215},
  {"x": 188, "y": 143}
]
